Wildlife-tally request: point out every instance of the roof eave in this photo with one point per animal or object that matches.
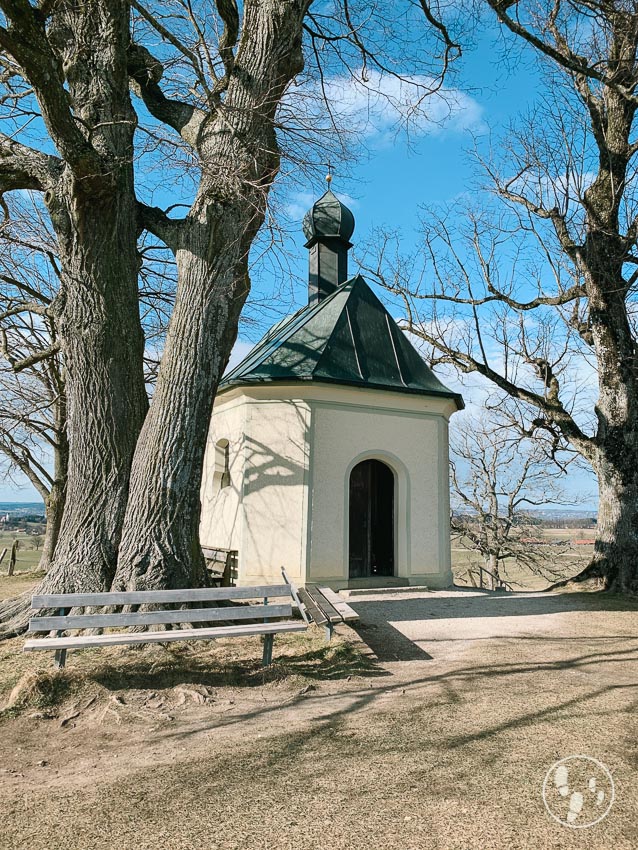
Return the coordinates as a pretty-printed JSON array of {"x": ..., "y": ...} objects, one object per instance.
[{"x": 256, "y": 382}]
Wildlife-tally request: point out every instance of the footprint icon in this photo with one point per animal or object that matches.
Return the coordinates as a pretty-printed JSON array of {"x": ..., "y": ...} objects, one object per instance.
[
  {"x": 561, "y": 776},
  {"x": 600, "y": 795},
  {"x": 578, "y": 791},
  {"x": 575, "y": 806},
  {"x": 577, "y": 799}
]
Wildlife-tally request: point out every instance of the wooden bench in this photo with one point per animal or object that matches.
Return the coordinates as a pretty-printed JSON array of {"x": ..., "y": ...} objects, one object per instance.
[
  {"x": 221, "y": 565},
  {"x": 325, "y": 607},
  {"x": 272, "y": 618}
]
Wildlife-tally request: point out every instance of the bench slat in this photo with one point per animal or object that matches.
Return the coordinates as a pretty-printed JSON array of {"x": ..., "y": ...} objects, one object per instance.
[
  {"x": 347, "y": 613},
  {"x": 322, "y": 603},
  {"x": 317, "y": 615},
  {"x": 163, "y": 637},
  {"x": 150, "y": 618},
  {"x": 142, "y": 597}
]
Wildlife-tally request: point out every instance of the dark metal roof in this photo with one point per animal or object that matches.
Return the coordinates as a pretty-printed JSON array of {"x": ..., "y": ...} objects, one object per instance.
[
  {"x": 328, "y": 217},
  {"x": 347, "y": 338}
]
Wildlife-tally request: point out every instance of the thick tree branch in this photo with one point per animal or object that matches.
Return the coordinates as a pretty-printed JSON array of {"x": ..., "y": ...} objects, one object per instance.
[
  {"x": 562, "y": 54},
  {"x": 554, "y": 215},
  {"x": 26, "y": 41},
  {"x": 22, "y": 167},
  {"x": 26, "y": 362},
  {"x": 572, "y": 294},
  {"x": 159, "y": 224},
  {"x": 549, "y": 404},
  {"x": 230, "y": 16},
  {"x": 24, "y": 287},
  {"x": 145, "y": 72},
  {"x": 26, "y": 307},
  {"x": 24, "y": 466}
]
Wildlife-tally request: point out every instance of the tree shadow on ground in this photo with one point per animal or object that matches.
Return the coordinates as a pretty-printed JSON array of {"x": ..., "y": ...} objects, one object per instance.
[
  {"x": 485, "y": 603},
  {"x": 458, "y": 684},
  {"x": 185, "y": 665},
  {"x": 380, "y": 623}
]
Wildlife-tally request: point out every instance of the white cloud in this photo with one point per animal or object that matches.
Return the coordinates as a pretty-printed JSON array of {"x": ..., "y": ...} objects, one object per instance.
[{"x": 376, "y": 107}]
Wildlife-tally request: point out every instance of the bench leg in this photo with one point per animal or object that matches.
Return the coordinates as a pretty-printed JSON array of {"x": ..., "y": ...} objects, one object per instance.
[
  {"x": 59, "y": 659},
  {"x": 327, "y": 630},
  {"x": 267, "y": 656}
]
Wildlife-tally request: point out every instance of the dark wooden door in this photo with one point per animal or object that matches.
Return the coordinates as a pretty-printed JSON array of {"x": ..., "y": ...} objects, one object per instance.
[{"x": 371, "y": 518}]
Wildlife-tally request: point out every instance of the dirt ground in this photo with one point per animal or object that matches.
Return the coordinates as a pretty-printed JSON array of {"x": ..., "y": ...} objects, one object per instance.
[{"x": 431, "y": 727}]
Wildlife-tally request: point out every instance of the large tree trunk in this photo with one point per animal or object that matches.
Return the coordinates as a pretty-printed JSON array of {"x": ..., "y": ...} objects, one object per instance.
[
  {"x": 239, "y": 156},
  {"x": 160, "y": 545},
  {"x": 54, "y": 506},
  {"x": 102, "y": 342},
  {"x": 492, "y": 566},
  {"x": 616, "y": 549},
  {"x": 94, "y": 214},
  {"x": 56, "y": 497},
  {"x": 95, "y": 219},
  {"x": 614, "y": 454}
]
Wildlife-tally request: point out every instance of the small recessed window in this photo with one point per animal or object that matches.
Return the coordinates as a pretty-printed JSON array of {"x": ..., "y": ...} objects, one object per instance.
[{"x": 222, "y": 464}]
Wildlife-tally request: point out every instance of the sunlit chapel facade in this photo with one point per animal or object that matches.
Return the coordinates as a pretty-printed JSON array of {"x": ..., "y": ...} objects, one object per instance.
[{"x": 328, "y": 446}]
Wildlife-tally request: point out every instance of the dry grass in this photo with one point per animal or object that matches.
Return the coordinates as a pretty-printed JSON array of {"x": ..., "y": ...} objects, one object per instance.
[
  {"x": 430, "y": 730},
  {"x": 208, "y": 665},
  {"x": 19, "y": 582},
  {"x": 28, "y": 556},
  {"x": 557, "y": 561}
]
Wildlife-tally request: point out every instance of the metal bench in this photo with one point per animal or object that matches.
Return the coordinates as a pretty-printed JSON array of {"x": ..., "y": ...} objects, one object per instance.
[
  {"x": 326, "y": 608},
  {"x": 273, "y": 618}
]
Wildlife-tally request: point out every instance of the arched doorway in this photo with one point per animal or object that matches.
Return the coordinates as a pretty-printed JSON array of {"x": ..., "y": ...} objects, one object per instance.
[{"x": 371, "y": 520}]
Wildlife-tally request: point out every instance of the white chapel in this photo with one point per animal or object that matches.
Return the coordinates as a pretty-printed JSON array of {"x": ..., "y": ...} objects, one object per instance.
[{"x": 328, "y": 446}]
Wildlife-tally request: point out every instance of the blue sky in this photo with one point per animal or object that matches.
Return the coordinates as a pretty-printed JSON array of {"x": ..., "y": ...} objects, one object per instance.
[{"x": 391, "y": 179}]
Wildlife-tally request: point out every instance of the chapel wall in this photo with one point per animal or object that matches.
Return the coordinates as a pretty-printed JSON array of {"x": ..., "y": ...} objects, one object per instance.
[
  {"x": 222, "y": 519},
  {"x": 276, "y": 452},
  {"x": 414, "y": 445}
]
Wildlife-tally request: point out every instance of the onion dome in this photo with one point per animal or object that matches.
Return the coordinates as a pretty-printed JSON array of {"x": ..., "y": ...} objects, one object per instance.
[{"x": 328, "y": 217}]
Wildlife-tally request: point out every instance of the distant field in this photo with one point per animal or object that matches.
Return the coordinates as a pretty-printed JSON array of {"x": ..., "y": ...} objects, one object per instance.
[
  {"x": 566, "y": 563},
  {"x": 28, "y": 554}
]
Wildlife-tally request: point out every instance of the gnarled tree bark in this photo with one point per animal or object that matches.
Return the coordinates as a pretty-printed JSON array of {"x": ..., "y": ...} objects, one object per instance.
[
  {"x": 237, "y": 149},
  {"x": 76, "y": 62}
]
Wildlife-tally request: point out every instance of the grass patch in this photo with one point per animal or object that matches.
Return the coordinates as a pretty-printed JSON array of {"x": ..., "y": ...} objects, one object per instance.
[
  {"x": 28, "y": 680},
  {"x": 40, "y": 689}
]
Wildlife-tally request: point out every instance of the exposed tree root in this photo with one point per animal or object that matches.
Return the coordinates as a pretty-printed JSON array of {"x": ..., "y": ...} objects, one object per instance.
[
  {"x": 14, "y": 615},
  {"x": 597, "y": 575}
]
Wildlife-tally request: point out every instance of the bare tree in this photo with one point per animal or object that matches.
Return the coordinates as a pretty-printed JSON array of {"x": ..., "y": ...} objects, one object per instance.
[
  {"x": 229, "y": 128},
  {"x": 524, "y": 319},
  {"x": 216, "y": 79},
  {"x": 497, "y": 476},
  {"x": 69, "y": 128},
  {"x": 33, "y": 422}
]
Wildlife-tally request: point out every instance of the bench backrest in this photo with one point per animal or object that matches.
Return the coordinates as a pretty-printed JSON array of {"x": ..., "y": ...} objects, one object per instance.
[{"x": 64, "y": 602}]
